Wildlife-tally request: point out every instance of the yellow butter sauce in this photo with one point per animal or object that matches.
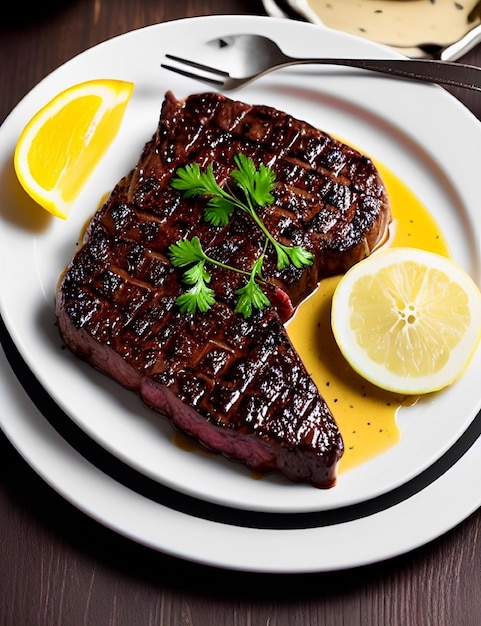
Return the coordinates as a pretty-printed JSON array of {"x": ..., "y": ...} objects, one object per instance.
[{"x": 366, "y": 415}]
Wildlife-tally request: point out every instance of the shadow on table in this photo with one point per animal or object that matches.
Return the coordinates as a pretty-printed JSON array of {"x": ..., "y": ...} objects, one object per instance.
[{"x": 19, "y": 15}]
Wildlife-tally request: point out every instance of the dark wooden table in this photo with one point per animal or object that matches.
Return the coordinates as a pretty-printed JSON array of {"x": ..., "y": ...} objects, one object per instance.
[{"x": 58, "y": 566}]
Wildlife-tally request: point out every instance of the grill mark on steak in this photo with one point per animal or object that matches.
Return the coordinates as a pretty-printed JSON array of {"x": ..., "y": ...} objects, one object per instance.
[{"x": 236, "y": 385}]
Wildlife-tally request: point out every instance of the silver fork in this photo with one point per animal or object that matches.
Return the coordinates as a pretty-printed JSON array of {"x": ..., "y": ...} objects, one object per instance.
[{"x": 246, "y": 57}]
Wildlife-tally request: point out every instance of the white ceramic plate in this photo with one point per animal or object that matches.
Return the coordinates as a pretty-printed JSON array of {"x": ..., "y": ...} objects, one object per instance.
[
  {"x": 444, "y": 28},
  {"x": 398, "y": 525},
  {"x": 371, "y": 111}
]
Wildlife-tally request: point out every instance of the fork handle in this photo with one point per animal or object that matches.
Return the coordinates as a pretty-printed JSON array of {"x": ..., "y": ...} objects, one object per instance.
[{"x": 428, "y": 70}]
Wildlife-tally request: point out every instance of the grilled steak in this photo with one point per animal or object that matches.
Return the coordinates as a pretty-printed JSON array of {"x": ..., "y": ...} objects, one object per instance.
[{"x": 235, "y": 384}]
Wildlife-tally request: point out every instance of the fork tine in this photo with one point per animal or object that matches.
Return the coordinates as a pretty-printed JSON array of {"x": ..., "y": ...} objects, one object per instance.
[
  {"x": 216, "y": 79},
  {"x": 199, "y": 66},
  {"x": 205, "y": 79}
]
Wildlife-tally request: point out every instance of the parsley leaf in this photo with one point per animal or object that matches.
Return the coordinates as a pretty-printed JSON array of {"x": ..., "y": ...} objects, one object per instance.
[
  {"x": 194, "y": 182},
  {"x": 198, "y": 297},
  {"x": 186, "y": 252},
  {"x": 251, "y": 295},
  {"x": 255, "y": 183},
  {"x": 218, "y": 211}
]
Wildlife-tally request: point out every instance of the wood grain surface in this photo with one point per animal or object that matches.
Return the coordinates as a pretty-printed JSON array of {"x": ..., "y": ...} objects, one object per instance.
[{"x": 59, "y": 567}]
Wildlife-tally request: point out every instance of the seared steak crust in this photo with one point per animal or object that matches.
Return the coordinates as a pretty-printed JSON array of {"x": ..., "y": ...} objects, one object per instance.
[{"x": 235, "y": 384}]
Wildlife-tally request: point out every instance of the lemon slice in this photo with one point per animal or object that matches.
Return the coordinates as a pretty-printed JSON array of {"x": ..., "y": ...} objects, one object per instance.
[
  {"x": 62, "y": 144},
  {"x": 407, "y": 320}
]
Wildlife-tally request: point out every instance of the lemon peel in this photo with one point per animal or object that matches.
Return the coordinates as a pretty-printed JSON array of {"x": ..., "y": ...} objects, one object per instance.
[{"x": 62, "y": 144}]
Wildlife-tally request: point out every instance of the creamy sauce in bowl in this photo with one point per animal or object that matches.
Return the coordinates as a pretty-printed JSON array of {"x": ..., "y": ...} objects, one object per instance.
[{"x": 398, "y": 23}]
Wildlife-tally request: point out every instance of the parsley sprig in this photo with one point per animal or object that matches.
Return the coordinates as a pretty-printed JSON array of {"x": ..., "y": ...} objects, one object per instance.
[{"x": 256, "y": 185}]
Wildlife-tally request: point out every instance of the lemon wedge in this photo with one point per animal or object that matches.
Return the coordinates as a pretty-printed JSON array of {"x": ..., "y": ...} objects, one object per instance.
[
  {"x": 62, "y": 144},
  {"x": 407, "y": 320}
]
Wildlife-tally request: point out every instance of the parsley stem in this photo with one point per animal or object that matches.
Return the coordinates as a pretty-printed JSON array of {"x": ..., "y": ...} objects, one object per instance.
[
  {"x": 282, "y": 261},
  {"x": 231, "y": 268},
  {"x": 256, "y": 185}
]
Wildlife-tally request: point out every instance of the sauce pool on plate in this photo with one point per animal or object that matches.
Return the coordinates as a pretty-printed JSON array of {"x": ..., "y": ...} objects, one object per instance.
[{"x": 366, "y": 415}]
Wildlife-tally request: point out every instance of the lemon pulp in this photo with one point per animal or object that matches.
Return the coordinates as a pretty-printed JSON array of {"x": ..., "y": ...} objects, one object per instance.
[
  {"x": 416, "y": 315},
  {"x": 408, "y": 320},
  {"x": 63, "y": 143}
]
